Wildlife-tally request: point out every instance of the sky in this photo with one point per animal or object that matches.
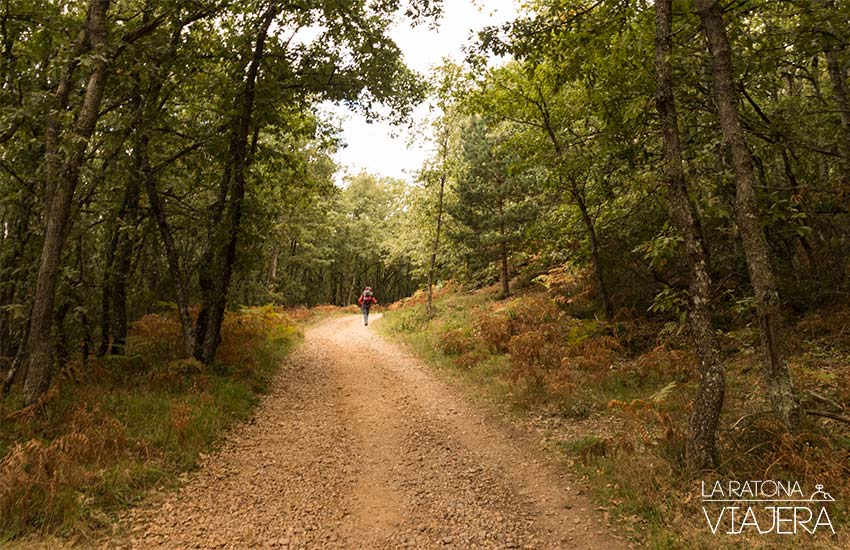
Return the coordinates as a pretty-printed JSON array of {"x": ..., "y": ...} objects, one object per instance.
[{"x": 382, "y": 149}]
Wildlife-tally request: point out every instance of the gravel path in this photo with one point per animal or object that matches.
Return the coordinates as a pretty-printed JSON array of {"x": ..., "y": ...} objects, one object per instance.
[{"x": 360, "y": 446}]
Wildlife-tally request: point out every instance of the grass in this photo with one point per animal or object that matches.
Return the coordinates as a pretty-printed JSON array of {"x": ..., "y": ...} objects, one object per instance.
[
  {"x": 626, "y": 391},
  {"x": 98, "y": 443}
]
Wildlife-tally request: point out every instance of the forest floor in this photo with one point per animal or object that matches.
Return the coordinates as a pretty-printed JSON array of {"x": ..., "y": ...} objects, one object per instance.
[{"x": 360, "y": 445}]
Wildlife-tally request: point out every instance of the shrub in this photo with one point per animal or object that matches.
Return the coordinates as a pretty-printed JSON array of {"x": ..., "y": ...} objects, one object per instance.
[
  {"x": 535, "y": 352},
  {"x": 572, "y": 289},
  {"x": 455, "y": 341},
  {"x": 156, "y": 337},
  {"x": 38, "y": 479},
  {"x": 126, "y": 422},
  {"x": 593, "y": 354},
  {"x": 663, "y": 362},
  {"x": 494, "y": 329},
  {"x": 471, "y": 358},
  {"x": 832, "y": 326}
]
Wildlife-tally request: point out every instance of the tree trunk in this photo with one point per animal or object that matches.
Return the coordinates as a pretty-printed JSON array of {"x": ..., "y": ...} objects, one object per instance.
[
  {"x": 181, "y": 286},
  {"x": 128, "y": 218},
  {"x": 839, "y": 90},
  {"x": 432, "y": 266},
  {"x": 4, "y": 325},
  {"x": 121, "y": 266},
  {"x": 147, "y": 111},
  {"x": 61, "y": 179},
  {"x": 62, "y": 352},
  {"x": 106, "y": 295},
  {"x": 503, "y": 254},
  {"x": 701, "y": 450},
  {"x": 777, "y": 377},
  {"x": 273, "y": 267},
  {"x": 352, "y": 290},
  {"x": 85, "y": 346},
  {"x": 12, "y": 287},
  {"x": 217, "y": 266},
  {"x": 113, "y": 314},
  {"x": 85, "y": 349},
  {"x": 594, "y": 252},
  {"x": 15, "y": 369}
]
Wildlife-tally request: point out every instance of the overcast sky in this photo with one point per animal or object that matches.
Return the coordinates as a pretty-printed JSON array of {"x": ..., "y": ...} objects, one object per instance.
[{"x": 382, "y": 149}]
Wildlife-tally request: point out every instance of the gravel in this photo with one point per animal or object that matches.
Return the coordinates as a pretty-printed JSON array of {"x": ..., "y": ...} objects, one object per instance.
[{"x": 359, "y": 445}]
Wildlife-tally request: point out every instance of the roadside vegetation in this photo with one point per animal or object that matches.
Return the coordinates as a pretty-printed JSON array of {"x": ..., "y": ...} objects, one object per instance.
[
  {"x": 612, "y": 400},
  {"x": 647, "y": 203},
  {"x": 119, "y": 425}
]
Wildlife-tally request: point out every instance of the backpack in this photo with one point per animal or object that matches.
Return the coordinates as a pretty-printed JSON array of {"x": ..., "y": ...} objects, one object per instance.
[{"x": 367, "y": 297}]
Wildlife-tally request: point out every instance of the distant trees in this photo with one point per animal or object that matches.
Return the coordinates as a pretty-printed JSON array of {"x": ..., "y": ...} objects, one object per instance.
[
  {"x": 327, "y": 250},
  {"x": 145, "y": 147}
]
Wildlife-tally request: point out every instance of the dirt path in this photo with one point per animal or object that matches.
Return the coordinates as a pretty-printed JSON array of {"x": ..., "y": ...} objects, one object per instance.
[{"x": 359, "y": 446}]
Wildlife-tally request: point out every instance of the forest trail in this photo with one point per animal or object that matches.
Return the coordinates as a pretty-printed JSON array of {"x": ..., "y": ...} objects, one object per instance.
[{"x": 359, "y": 445}]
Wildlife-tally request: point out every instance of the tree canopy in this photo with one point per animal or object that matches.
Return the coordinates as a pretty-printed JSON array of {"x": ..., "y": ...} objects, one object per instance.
[
  {"x": 159, "y": 152},
  {"x": 692, "y": 157}
]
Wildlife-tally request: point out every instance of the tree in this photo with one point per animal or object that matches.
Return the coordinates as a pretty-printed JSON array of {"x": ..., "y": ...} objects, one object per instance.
[
  {"x": 438, "y": 222},
  {"x": 492, "y": 198},
  {"x": 777, "y": 377},
  {"x": 65, "y": 147},
  {"x": 226, "y": 213},
  {"x": 702, "y": 426},
  {"x": 438, "y": 175},
  {"x": 832, "y": 40},
  {"x": 555, "y": 94},
  {"x": 152, "y": 166}
]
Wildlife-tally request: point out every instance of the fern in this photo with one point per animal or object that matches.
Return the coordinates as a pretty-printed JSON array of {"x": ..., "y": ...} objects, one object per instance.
[{"x": 663, "y": 393}]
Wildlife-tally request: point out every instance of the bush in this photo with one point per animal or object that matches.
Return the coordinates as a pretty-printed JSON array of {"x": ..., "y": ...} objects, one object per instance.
[
  {"x": 494, "y": 329},
  {"x": 156, "y": 337},
  {"x": 39, "y": 480},
  {"x": 455, "y": 341},
  {"x": 627, "y": 390},
  {"x": 94, "y": 444},
  {"x": 536, "y": 352}
]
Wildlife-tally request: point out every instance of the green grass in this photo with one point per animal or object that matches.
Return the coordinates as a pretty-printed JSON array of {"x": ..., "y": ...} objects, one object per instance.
[{"x": 578, "y": 446}]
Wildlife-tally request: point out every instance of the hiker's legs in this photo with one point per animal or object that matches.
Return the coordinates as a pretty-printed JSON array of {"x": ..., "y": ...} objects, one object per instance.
[{"x": 365, "y": 316}]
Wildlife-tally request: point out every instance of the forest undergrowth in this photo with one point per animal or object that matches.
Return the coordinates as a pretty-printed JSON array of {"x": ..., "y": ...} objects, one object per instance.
[
  {"x": 624, "y": 391},
  {"x": 114, "y": 427}
]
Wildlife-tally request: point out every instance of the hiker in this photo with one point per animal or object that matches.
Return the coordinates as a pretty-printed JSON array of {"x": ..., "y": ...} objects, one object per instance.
[{"x": 366, "y": 300}]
